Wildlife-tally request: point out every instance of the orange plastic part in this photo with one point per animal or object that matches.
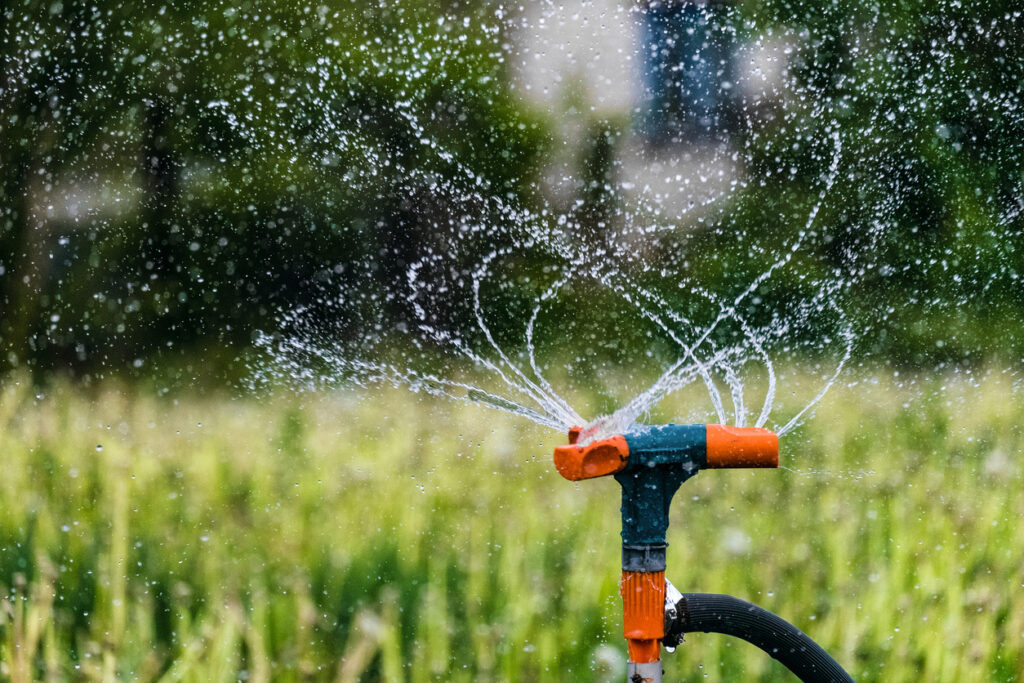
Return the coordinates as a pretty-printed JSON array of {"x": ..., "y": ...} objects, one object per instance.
[
  {"x": 643, "y": 614},
  {"x": 741, "y": 447},
  {"x": 574, "y": 433},
  {"x": 596, "y": 459},
  {"x": 643, "y": 651}
]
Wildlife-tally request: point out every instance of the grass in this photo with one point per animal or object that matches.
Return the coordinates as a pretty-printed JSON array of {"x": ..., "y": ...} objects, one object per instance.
[{"x": 381, "y": 537}]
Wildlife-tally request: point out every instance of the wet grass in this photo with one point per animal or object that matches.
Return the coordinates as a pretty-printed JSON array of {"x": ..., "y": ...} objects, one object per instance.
[{"x": 386, "y": 538}]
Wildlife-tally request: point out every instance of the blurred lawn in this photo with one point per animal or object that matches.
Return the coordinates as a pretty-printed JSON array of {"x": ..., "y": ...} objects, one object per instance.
[{"x": 388, "y": 538}]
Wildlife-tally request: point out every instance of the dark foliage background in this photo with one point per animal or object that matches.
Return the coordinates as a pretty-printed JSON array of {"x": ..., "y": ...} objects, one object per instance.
[{"x": 144, "y": 231}]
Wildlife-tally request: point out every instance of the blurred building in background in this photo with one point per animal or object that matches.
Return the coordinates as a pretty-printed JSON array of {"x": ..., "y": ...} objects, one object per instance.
[
  {"x": 688, "y": 63},
  {"x": 669, "y": 80}
]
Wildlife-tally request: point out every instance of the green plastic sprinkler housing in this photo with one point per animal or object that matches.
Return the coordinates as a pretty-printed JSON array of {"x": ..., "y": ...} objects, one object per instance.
[{"x": 661, "y": 459}]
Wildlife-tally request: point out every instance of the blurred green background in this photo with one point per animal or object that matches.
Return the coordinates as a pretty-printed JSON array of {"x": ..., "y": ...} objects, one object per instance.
[
  {"x": 174, "y": 175},
  {"x": 384, "y": 538}
]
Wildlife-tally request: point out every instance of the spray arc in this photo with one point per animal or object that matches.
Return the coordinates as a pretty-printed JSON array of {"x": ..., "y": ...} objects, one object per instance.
[{"x": 650, "y": 464}]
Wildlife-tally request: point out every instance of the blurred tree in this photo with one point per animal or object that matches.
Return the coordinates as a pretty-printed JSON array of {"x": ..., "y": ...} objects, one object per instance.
[
  {"x": 224, "y": 157},
  {"x": 175, "y": 175}
]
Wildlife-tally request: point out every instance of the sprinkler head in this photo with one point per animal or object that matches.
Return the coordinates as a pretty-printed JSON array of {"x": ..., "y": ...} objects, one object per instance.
[
  {"x": 693, "y": 447},
  {"x": 651, "y": 463}
]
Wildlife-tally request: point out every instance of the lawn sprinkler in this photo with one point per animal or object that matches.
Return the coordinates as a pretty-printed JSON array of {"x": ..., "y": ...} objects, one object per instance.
[{"x": 650, "y": 464}]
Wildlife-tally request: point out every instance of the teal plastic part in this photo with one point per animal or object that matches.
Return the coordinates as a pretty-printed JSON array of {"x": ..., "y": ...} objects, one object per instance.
[{"x": 660, "y": 459}]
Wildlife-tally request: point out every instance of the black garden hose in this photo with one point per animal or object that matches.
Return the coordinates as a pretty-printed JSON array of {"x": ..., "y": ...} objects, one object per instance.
[{"x": 711, "y": 613}]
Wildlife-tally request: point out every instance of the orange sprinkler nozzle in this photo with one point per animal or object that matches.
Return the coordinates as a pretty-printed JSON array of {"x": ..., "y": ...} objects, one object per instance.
[
  {"x": 596, "y": 459},
  {"x": 574, "y": 434},
  {"x": 741, "y": 447}
]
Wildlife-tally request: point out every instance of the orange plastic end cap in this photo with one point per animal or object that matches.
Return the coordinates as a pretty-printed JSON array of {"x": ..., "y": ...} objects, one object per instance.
[
  {"x": 596, "y": 459},
  {"x": 643, "y": 651},
  {"x": 741, "y": 447}
]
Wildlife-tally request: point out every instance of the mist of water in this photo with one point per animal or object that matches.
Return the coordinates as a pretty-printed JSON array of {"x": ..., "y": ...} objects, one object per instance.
[
  {"x": 467, "y": 272},
  {"x": 308, "y": 355}
]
